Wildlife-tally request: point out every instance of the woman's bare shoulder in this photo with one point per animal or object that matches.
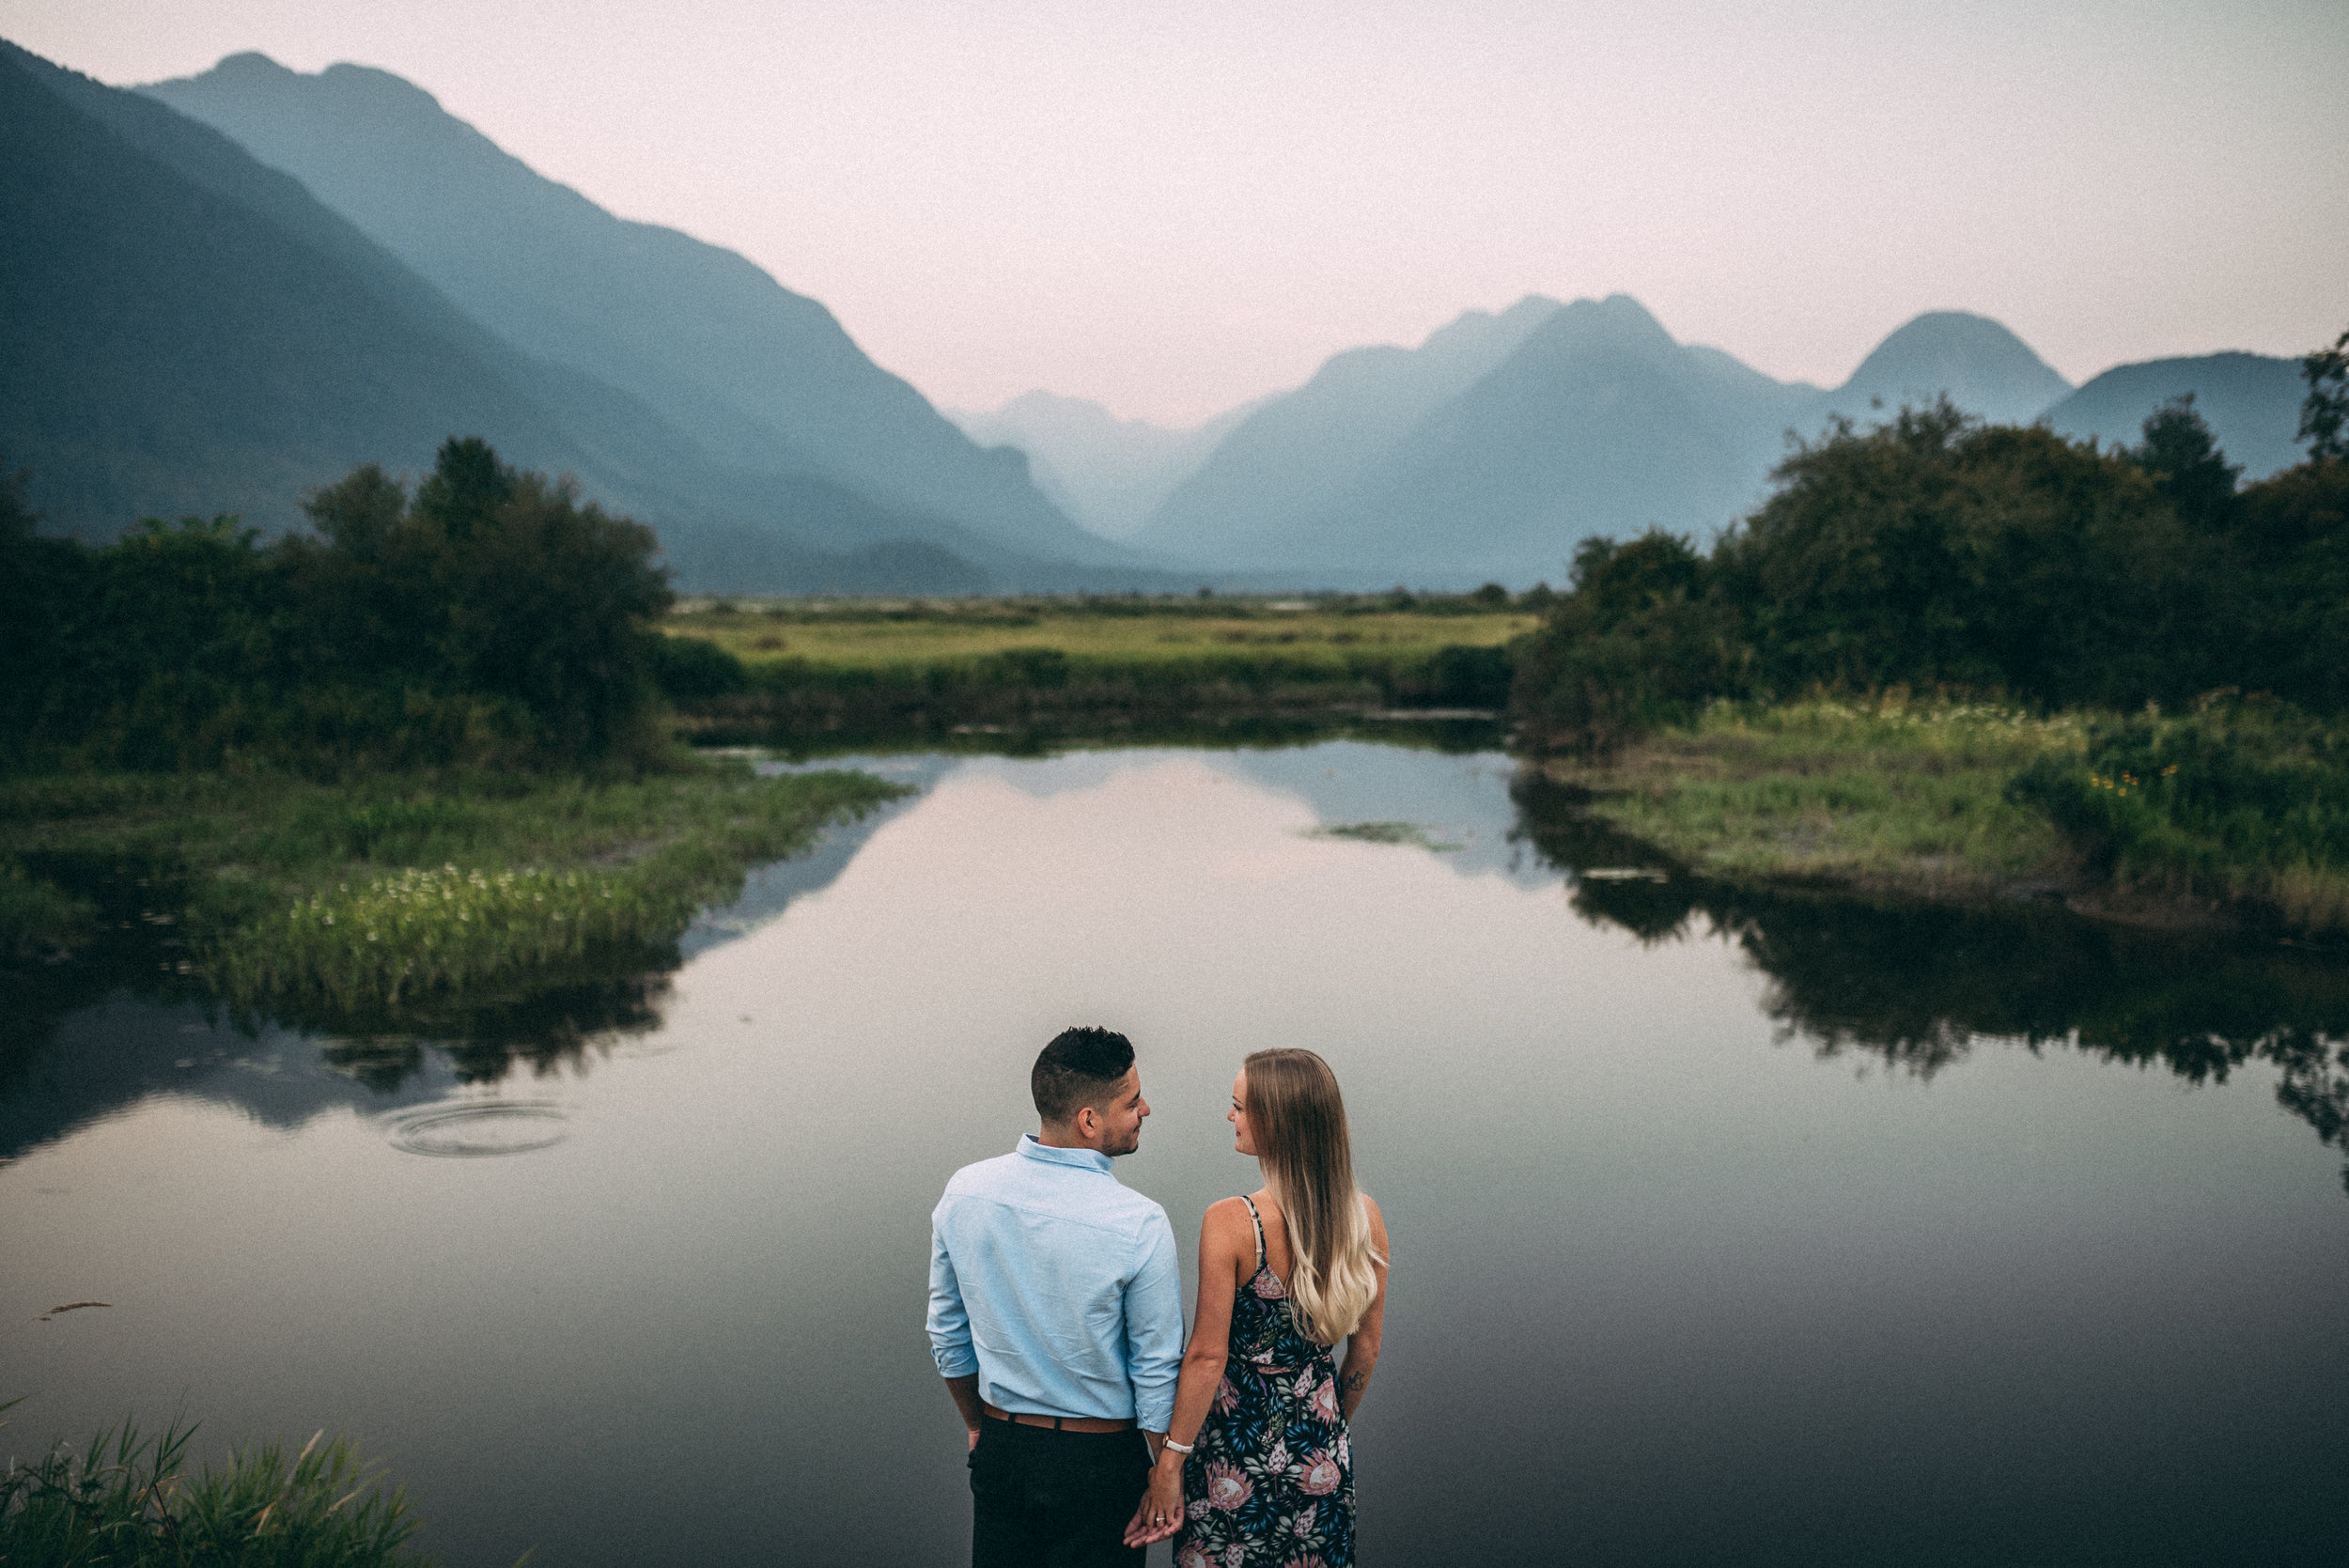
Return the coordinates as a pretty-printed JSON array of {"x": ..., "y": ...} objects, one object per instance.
[
  {"x": 1378, "y": 1221},
  {"x": 1227, "y": 1216}
]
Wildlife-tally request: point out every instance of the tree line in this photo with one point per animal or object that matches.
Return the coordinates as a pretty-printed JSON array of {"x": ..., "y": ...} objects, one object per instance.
[
  {"x": 491, "y": 618},
  {"x": 1935, "y": 551}
]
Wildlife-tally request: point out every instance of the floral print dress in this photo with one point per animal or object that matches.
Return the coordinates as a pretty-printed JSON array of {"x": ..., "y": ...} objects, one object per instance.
[{"x": 1270, "y": 1482}]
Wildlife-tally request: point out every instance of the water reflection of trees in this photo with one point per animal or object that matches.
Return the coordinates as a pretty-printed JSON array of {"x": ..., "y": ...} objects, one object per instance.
[
  {"x": 1917, "y": 984},
  {"x": 541, "y": 1022}
]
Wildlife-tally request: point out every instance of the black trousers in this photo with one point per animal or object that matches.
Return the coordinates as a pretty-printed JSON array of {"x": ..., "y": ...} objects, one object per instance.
[{"x": 1041, "y": 1498}]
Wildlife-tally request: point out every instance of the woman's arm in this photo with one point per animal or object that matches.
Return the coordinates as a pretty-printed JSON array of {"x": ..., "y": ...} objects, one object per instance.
[
  {"x": 1226, "y": 1241},
  {"x": 1361, "y": 1347}
]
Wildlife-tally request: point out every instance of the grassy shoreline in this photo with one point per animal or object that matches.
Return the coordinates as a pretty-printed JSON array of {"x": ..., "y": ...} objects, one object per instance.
[
  {"x": 1884, "y": 797},
  {"x": 1962, "y": 802},
  {"x": 373, "y": 895}
]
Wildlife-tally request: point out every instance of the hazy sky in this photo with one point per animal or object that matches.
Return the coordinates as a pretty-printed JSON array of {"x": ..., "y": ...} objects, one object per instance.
[{"x": 1173, "y": 207}]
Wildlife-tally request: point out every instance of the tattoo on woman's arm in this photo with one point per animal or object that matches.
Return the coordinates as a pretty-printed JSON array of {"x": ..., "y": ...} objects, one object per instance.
[{"x": 1352, "y": 1382}]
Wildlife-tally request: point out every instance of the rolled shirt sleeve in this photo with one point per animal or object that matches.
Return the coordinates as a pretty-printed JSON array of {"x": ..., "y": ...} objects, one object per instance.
[
  {"x": 949, "y": 1320},
  {"x": 1154, "y": 1325}
]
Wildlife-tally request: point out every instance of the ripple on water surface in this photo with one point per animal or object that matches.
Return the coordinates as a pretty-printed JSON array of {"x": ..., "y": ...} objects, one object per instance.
[{"x": 479, "y": 1129}]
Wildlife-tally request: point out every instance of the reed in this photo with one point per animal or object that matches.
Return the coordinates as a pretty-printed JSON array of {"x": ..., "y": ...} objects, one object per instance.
[{"x": 133, "y": 1501}]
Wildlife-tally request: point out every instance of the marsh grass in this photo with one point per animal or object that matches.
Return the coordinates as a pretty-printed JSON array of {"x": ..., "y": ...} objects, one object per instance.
[
  {"x": 384, "y": 893},
  {"x": 2240, "y": 802},
  {"x": 137, "y": 1501},
  {"x": 1889, "y": 793}
]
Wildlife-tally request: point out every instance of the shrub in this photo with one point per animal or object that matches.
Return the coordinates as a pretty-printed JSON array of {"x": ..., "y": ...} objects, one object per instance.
[
  {"x": 1639, "y": 641},
  {"x": 694, "y": 669}
]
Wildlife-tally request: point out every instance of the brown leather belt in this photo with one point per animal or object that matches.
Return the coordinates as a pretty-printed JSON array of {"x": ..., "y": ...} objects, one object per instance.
[{"x": 1058, "y": 1423}]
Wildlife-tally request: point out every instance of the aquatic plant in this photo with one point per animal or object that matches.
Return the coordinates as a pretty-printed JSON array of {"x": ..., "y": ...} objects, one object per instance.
[
  {"x": 133, "y": 1501},
  {"x": 437, "y": 930}
]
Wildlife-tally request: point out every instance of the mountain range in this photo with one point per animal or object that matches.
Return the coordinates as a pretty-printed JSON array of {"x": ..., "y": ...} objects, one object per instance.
[
  {"x": 1107, "y": 473},
  {"x": 220, "y": 291},
  {"x": 185, "y": 328},
  {"x": 1495, "y": 446}
]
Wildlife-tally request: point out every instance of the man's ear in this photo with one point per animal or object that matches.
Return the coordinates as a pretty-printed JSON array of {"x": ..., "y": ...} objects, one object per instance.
[{"x": 1087, "y": 1121}]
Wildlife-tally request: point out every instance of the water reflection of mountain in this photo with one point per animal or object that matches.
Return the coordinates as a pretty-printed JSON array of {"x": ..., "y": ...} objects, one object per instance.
[{"x": 1917, "y": 984}]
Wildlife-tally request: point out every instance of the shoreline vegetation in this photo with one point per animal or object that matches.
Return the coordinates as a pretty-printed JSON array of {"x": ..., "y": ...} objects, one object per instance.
[
  {"x": 358, "y": 898},
  {"x": 413, "y": 761},
  {"x": 132, "y": 1500},
  {"x": 2138, "y": 670}
]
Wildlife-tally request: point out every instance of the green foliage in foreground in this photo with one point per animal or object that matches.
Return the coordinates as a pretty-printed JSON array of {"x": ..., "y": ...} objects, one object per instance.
[
  {"x": 2235, "y": 802},
  {"x": 134, "y": 1501},
  {"x": 275, "y": 882}
]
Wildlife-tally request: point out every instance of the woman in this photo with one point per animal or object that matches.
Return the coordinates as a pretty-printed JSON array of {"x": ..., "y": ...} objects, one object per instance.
[{"x": 1258, "y": 1466}]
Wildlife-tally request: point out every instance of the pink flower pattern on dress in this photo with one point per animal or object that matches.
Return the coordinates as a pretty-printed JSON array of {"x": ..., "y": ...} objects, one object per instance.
[
  {"x": 1227, "y": 1488},
  {"x": 1271, "y": 1485}
]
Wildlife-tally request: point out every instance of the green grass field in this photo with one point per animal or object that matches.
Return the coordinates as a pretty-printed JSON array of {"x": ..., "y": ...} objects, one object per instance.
[
  {"x": 1336, "y": 636},
  {"x": 792, "y": 671}
]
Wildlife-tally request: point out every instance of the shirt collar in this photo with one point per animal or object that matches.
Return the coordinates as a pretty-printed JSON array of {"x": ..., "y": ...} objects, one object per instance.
[{"x": 1085, "y": 1160}]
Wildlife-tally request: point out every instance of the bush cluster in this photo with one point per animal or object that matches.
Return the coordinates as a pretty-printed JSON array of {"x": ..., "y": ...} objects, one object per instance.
[
  {"x": 1934, "y": 552},
  {"x": 490, "y": 618}
]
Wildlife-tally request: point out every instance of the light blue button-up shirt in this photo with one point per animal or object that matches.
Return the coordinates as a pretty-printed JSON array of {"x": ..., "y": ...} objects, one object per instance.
[{"x": 1059, "y": 1286}]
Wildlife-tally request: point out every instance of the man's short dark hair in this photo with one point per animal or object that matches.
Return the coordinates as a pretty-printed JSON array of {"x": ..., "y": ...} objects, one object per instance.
[{"x": 1080, "y": 1067}]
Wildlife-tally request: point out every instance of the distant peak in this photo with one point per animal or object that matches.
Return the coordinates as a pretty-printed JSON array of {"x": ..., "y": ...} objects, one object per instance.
[
  {"x": 250, "y": 65},
  {"x": 251, "y": 70}
]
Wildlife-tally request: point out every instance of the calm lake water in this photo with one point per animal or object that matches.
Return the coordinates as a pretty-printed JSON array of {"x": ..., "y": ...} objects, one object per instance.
[{"x": 1725, "y": 1230}]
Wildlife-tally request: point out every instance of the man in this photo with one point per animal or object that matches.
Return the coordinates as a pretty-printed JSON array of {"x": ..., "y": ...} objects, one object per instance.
[{"x": 1056, "y": 1318}]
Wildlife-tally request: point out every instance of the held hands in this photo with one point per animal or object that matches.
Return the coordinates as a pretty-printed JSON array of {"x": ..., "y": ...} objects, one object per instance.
[{"x": 1160, "y": 1511}]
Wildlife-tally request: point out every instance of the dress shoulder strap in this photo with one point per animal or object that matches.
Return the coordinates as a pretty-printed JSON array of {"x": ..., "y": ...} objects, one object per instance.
[{"x": 1256, "y": 1220}]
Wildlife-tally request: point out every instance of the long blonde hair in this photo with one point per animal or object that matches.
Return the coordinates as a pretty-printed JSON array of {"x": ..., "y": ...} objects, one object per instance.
[{"x": 1299, "y": 1122}]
